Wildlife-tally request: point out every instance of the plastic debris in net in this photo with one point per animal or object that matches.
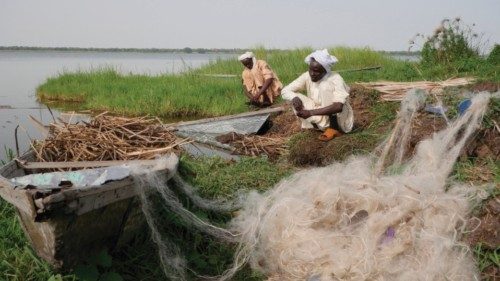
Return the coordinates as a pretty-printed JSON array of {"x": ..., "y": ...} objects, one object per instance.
[
  {"x": 463, "y": 106},
  {"x": 436, "y": 109},
  {"x": 389, "y": 235}
]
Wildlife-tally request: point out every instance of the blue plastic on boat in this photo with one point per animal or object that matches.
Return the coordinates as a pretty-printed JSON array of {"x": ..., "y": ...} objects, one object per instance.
[{"x": 463, "y": 106}]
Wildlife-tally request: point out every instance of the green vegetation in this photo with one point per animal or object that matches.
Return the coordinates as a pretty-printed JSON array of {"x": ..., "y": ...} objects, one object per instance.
[
  {"x": 9, "y": 155},
  {"x": 17, "y": 259},
  {"x": 451, "y": 42},
  {"x": 487, "y": 258},
  {"x": 216, "y": 178},
  {"x": 494, "y": 56},
  {"x": 454, "y": 48}
]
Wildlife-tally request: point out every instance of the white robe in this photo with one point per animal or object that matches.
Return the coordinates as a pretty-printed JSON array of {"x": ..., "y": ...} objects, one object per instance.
[{"x": 331, "y": 88}]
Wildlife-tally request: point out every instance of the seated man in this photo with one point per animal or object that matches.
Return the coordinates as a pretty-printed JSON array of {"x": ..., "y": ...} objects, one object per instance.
[
  {"x": 260, "y": 83},
  {"x": 326, "y": 105}
]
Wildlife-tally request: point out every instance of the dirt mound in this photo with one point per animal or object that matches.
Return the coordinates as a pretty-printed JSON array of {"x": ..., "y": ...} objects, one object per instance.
[
  {"x": 424, "y": 125},
  {"x": 485, "y": 227},
  {"x": 362, "y": 100},
  {"x": 486, "y": 144},
  {"x": 307, "y": 150},
  {"x": 285, "y": 124},
  {"x": 485, "y": 233},
  {"x": 485, "y": 86}
]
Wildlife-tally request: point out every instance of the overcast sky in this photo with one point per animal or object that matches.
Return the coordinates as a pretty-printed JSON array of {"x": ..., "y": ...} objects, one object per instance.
[{"x": 379, "y": 24}]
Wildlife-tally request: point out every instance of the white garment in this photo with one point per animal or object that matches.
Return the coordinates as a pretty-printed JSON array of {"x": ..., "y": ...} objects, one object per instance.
[
  {"x": 246, "y": 55},
  {"x": 331, "y": 88},
  {"x": 324, "y": 58}
]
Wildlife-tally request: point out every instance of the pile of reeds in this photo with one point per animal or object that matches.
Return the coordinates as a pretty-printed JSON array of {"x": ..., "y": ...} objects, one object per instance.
[
  {"x": 271, "y": 145},
  {"x": 395, "y": 91},
  {"x": 107, "y": 137}
]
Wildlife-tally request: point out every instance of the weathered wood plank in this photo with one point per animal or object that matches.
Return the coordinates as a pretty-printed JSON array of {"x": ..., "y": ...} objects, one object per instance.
[
  {"x": 21, "y": 199},
  {"x": 82, "y": 164},
  {"x": 81, "y": 201}
]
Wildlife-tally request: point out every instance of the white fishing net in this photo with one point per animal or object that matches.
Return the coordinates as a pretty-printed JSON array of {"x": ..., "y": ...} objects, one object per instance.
[{"x": 355, "y": 220}]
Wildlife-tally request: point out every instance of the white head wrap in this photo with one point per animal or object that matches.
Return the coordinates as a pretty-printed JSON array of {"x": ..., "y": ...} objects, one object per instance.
[
  {"x": 324, "y": 58},
  {"x": 246, "y": 55}
]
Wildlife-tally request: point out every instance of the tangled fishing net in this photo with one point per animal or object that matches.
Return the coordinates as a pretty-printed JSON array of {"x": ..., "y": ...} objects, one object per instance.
[{"x": 368, "y": 218}]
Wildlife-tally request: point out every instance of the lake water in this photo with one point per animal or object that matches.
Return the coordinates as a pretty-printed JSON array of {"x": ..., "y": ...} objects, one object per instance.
[{"x": 22, "y": 71}]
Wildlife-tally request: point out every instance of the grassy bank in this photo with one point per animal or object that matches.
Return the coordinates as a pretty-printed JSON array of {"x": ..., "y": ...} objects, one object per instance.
[{"x": 192, "y": 93}]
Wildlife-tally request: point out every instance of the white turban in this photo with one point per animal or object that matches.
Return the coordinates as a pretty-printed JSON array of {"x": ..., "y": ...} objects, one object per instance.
[
  {"x": 247, "y": 55},
  {"x": 324, "y": 58}
]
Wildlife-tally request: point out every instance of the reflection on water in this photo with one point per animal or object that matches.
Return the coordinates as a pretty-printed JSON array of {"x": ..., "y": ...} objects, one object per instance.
[{"x": 22, "y": 71}]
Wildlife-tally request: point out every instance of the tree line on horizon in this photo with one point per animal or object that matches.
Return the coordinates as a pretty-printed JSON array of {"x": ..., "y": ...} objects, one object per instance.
[{"x": 187, "y": 50}]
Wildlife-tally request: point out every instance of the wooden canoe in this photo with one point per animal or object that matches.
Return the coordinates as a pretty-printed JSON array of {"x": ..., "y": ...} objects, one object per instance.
[{"x": 66, "y": 224}]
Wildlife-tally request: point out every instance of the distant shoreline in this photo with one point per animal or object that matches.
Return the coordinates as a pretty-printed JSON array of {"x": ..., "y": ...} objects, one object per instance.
[
  {"x": 186, "y": 50},
  {"x": 135, "y": 50}
]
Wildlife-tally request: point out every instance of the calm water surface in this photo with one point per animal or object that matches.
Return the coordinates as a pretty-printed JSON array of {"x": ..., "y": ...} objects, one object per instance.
[{"x": 22, "y": 71}]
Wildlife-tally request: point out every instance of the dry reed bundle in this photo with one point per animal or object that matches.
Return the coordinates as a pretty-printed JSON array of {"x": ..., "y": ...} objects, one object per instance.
[
  {"x": 253, "y": 145},
  {"x": 395, "y": 91},
  {"x": 271, "y": 145},
  {"x": 106, "y": 137}
]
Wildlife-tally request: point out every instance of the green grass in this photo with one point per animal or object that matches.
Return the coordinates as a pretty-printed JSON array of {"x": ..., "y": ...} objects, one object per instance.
[
  {"x": 216, "y": 178},
  {"x": 17, "y": 259},
  {"x": 486, "y": 257},
  {"x": 191, "y": 93}
]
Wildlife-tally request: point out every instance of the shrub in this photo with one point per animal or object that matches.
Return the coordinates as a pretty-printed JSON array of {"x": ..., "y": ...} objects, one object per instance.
[
  {"x": 494, "y": 56},
  {"x": 451, "y": 42}
]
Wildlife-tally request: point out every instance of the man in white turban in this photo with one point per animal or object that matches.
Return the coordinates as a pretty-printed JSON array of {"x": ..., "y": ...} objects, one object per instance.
[
  {"x": 326, "y": 103},
  {"x": 260, "y": 84}
]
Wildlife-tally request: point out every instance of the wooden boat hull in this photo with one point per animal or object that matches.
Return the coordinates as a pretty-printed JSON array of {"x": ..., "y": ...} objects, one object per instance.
[{"x": 66, "y": 226}]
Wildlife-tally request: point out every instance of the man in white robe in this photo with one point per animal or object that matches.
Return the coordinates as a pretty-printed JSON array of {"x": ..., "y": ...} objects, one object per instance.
[{"x": 326, "y": 99}]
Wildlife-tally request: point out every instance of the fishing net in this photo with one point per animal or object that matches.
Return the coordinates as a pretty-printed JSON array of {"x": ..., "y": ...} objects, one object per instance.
[{"x": 367, "y": 218}]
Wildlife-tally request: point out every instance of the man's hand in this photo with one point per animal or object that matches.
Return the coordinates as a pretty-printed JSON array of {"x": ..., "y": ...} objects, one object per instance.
[
  {"x": 304, "y": 113},
  {"x": 255, "y": 98},
  {"x": 297, "y": 104}
]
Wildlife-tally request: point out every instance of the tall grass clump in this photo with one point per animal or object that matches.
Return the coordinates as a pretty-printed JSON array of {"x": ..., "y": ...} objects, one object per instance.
[
  {"x": 494, "y": 56},
  {"x": 454, "y": 49},
  {"x": 451, "y": 42}
]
